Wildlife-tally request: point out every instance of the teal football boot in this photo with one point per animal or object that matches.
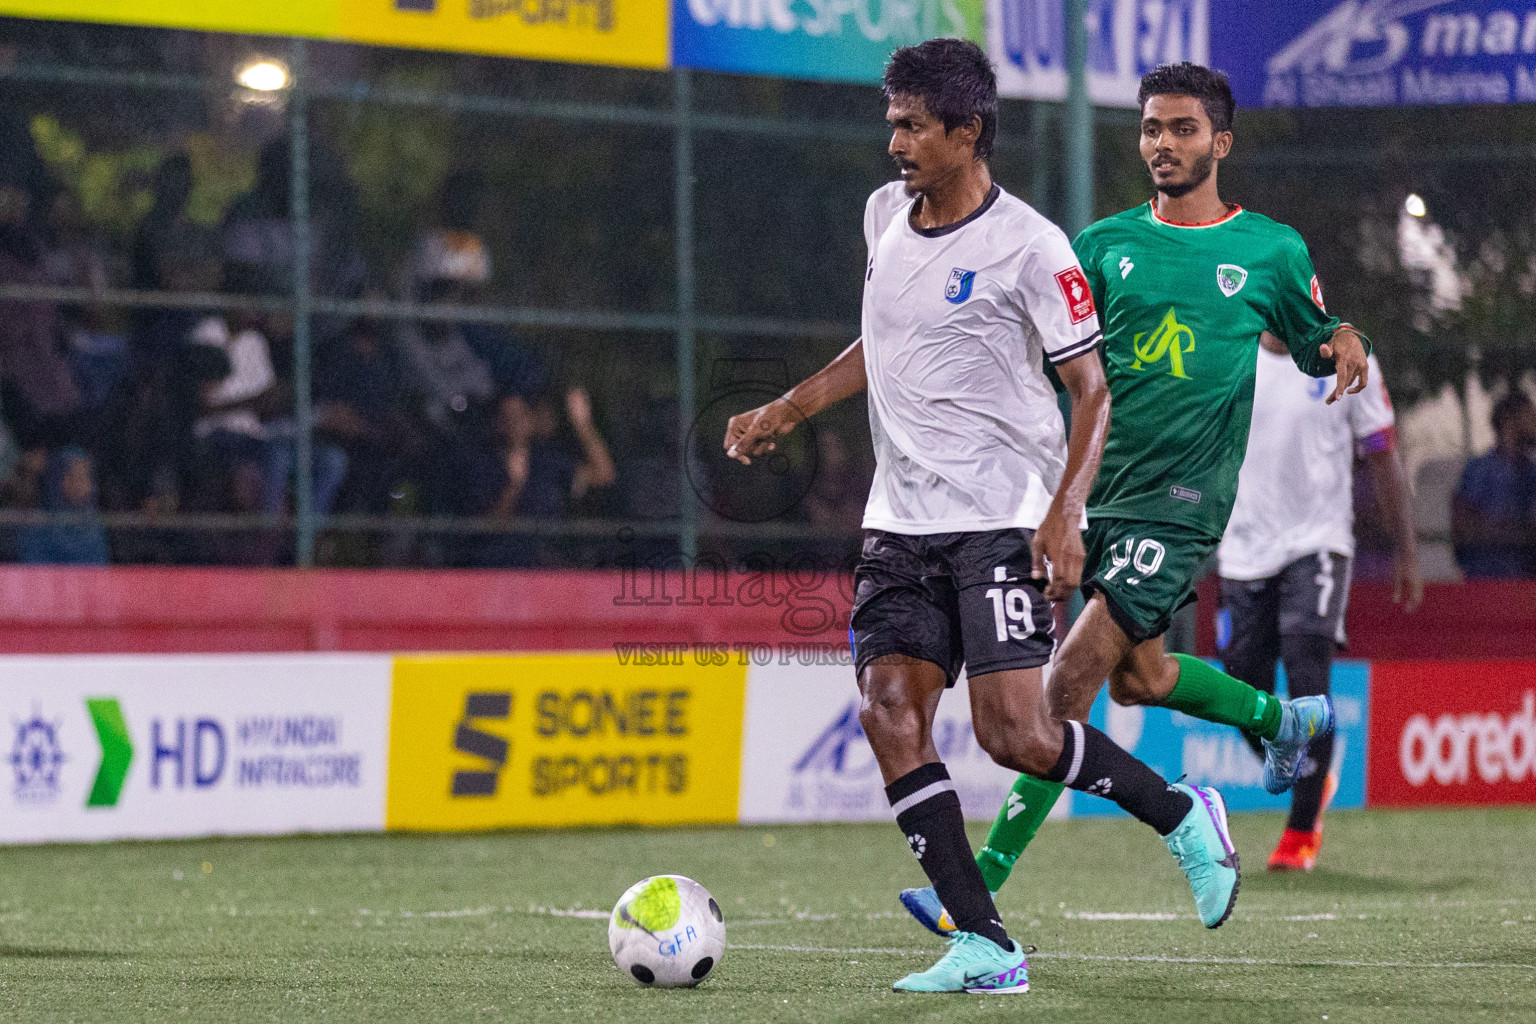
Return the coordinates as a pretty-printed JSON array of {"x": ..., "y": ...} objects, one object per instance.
[
  {"x": 973, "y": 964},
  {"x": 1203, "y": 847}
]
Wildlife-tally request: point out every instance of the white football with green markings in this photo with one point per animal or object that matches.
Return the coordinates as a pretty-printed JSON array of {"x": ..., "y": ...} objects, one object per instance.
[{"x": 667, "y": 931}]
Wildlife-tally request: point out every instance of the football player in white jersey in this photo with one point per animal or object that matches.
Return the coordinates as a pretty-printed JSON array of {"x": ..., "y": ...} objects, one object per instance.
[
  {"x": 974, "y": 516},
  {"x": 1286, "y": 555}
]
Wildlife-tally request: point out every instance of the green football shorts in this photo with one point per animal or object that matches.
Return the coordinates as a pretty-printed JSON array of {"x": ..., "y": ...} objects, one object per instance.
[{"x": 1146, "y": 571}]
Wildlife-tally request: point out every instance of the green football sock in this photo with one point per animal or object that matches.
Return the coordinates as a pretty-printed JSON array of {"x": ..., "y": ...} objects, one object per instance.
[
  {"x": 1204, "y": 691},
  {"x": 1018, "y": 820}
]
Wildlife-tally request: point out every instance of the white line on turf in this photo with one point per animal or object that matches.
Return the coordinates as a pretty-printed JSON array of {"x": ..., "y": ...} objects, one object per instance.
[
  {"x": 1241, "y": 961},
  {"x": 595, "y": 915}
]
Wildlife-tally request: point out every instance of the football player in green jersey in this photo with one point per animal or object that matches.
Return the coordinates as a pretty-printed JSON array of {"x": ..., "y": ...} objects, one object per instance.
[{"x": 1186, "y": 285}]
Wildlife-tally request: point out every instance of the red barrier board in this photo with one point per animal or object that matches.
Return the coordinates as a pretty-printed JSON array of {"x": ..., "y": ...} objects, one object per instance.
[
  {"x": 153, "y": 610},
  {"x": 1457, "y": 621},
  {"x": 1452, "y": 733}
]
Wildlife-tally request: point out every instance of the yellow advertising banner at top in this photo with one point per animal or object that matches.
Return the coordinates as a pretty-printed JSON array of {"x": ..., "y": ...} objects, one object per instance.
[{"x": 627, "y": 33}]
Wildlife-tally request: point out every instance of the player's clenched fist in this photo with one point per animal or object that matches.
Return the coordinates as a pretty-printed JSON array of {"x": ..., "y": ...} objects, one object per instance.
[{"x": 753, "y": 432}]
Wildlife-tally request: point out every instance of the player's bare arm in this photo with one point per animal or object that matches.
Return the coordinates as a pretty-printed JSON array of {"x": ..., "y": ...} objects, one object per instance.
[
  {"x": 1058, "y": 548},
  {"x": 755, "y": 431},
  {"x": 1391, "y": 487},
  {"x": 1348, "y": 353}
]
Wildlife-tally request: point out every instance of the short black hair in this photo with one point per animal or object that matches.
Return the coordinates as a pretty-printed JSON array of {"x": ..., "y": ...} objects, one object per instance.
[
  {"x": 1508, "y": 407},
  {"x": 1210, "y": 87},
  {"x": 956, "y": 82}
]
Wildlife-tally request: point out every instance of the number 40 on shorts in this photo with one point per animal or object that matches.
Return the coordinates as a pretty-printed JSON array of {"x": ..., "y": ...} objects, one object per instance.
[{"x": 1146, "y": 557}]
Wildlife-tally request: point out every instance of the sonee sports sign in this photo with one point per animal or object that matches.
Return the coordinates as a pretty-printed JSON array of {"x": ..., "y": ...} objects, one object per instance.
[{"x": 494, "y": 742}]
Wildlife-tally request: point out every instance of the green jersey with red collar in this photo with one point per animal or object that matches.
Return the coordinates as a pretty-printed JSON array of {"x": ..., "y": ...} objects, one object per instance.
[{"x": 1183, "y": 307}]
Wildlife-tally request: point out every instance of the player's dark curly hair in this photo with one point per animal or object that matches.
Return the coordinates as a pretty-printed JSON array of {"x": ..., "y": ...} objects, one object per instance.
[
  {"x": 1211, "y": 88},
  {"x": 956, "y": 82}
]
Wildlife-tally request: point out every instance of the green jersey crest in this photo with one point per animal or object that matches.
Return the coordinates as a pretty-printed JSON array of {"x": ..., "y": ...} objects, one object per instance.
[{"x": 1230, "y": 279}]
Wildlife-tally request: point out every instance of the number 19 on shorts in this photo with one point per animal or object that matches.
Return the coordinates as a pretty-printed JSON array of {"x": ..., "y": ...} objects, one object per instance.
[
  {"x": 1145, "y": 558},
  {"x": 1012, "y": 611}
]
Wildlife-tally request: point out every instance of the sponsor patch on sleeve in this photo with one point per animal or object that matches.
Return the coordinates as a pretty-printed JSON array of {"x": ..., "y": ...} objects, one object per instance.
[
  {"x": 1317, "y": 294},
  {"x": 1074, "y": 288}
]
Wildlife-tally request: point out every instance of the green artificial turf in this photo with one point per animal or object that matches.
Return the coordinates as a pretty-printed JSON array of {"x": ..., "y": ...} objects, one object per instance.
[{"x": 1410, "y": 917}]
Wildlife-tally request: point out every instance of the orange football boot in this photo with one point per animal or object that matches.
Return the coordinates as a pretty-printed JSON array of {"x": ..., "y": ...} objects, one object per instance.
[{"x": 1298, "y": 850}]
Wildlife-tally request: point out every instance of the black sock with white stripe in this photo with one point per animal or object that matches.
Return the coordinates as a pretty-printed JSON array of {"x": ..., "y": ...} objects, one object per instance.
[
  {"x": 928, "y": 811},
  {"x": 1091, "y": 762}
]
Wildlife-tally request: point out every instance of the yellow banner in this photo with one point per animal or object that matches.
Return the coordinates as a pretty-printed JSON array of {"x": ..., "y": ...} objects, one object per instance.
[
  {"x": 628, "y": 33},
  {"x": 562, "y": 739}
]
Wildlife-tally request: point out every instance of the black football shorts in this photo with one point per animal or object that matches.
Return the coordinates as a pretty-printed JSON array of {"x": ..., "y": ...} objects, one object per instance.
[
  {"x": 953, "y": 599},
  {"x": 1308, "y": 597}
]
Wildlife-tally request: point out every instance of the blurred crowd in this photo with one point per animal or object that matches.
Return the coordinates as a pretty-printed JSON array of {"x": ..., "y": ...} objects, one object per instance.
[
  {"x": 181, "y": 409},
  {"x": 171, "y": 411}
]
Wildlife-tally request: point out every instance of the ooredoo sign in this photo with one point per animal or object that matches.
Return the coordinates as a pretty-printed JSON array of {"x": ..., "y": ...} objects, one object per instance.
[{"x": 1452, "y": 733}]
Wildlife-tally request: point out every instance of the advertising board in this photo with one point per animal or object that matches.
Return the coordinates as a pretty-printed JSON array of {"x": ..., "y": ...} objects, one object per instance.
[
  {"x": 846, "y": 41},
  {"x": 1453, "y": 733},
  {"x": 1126, "y": 39},
  {"x": 1358, "y": 53},
  {"x": 106, "y": 747},
  {"x": 563, "y": 739},
  {"x": 1176, "y": 745},
  {"x": 629, "y": 33},
  {"x": 805, "y": 756}
]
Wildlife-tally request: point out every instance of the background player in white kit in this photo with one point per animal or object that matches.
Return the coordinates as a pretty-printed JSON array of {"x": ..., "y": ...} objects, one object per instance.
[
  {"x": 1286, "y": 555},
  {"x": 974, "y": 516}
]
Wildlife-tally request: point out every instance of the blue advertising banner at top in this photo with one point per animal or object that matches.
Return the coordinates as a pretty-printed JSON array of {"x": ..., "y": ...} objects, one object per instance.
[
  {"x": 1327, "y": 53},
  {"x": 1300, "y": 53},
  {"x": 830, "y": 40}
]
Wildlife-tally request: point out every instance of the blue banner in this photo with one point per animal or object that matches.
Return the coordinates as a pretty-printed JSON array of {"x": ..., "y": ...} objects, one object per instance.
[
  {"x": 829, "y": 40},
  {"x": 1327, "y": 53},
  {"x": 1175, "y": 745}
]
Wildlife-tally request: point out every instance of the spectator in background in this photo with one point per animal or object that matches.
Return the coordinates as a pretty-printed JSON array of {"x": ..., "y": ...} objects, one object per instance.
[
  {"x": 258, "y": 233},
  {"x": 358, "y": 410},
  {"x": 69, "y": 488},
  {"x": 172, "y": 187},
  {"x": 545, "y": 471},
  {"x": 1493, "y": 514},
  {"x": 146, "y": 459},
  {"x": 538, "y": 472},
  {"x": 231, "y": 438},
  {"x": 94, "y": 340},
  {"x": 836, "y": 499},
  {"x": 454, "y": 389},
  {"x": 454, "y": 251},
  {"x": 41, "y": 399}
]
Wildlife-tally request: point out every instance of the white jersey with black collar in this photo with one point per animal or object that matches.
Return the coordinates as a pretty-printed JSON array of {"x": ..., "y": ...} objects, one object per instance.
[{"x": 957, "y": 322}]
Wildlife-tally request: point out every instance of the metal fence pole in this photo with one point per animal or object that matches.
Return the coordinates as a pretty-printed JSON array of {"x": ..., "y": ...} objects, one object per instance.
[
  {"x": 1079, "y": 122},
  {"x": 303, "y": 404},
  {"x": 688, "y": 531},
  {"x": 1040, "y": 158}
]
